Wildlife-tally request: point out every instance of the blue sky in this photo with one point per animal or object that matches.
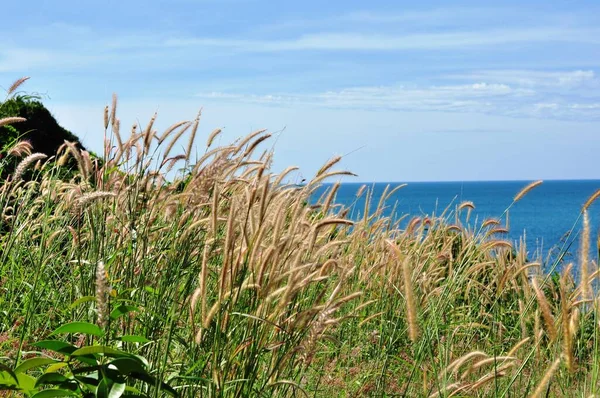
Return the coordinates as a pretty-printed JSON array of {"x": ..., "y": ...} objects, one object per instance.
[{"x": 408, "y": 91}]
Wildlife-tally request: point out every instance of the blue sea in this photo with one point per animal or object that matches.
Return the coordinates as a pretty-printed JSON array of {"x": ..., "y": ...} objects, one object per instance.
[{"x": 549, "y": 215}]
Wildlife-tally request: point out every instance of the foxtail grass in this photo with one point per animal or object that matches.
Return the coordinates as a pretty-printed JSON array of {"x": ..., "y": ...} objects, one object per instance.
[{"x": 234, "y": 282}]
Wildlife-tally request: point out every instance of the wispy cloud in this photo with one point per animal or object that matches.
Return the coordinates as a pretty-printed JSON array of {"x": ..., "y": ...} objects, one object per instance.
[
  {"x": 483, "y": 97},
  {"x": 60, "y": 44},
  {"x": 311, "y": 50},
  {"x": 531, "y": 78},
  {"x": 425, "y": 18},
  {"x": 448, "y": 16},
  {"x": 372, "y": 42},
  {"x": 34, "y": 58}
]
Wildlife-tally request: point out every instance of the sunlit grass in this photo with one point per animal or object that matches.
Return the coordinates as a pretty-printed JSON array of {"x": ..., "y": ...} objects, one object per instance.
[{"x": 231, "y": 283}]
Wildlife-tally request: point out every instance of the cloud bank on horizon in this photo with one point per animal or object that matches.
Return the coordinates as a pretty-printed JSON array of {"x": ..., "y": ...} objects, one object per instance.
[{"x": 427, "y": 91}]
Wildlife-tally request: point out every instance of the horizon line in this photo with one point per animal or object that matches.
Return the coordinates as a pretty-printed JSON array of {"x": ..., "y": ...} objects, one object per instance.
[{"x": 471, "y": 181}]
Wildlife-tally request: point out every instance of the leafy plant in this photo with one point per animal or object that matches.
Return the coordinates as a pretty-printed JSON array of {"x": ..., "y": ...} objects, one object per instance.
[{"x": 91, "y": 370}]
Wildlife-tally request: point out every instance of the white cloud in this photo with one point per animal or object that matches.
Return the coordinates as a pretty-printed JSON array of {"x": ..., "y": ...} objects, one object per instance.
[
  {"x": 534, "y": 78},
  {"x": 585, "y": 106},
  {"x": 482, "y": 97},
  {"x": 457, "y": 16},
  {"x": 543, "y": 106},
  {"x": 65, "y": 45},
  {"x": 417, "y": 19},
  {"x": 459, "y": 97},
  {"x": 24, "y": 60},
  {"x": 389, "y": 42},
  {"x": 12, "y": 60},
  {"x": 576, "y": 77}
]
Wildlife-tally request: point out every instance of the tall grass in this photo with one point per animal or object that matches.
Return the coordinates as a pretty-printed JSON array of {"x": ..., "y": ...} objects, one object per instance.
[{"x": 230, "y": 282}]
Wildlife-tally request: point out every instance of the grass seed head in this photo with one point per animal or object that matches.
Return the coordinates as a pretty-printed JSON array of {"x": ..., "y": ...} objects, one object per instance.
[
  {"x": 11, "y": 120},
  {"x": 25, "y": 163},
  {"x": 102, "y": 290},
  {"x": 18, "y": 83},
  {"x": 526, "y": 190}
]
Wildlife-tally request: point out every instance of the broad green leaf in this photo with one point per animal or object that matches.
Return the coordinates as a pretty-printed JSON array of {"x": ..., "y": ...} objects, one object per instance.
[
  {"x": 26, "y": 383},
  {"x": 128, "y": 365},
  {"x": 92, "y": 371},
  {"x": 103, "y": 388},
  {"x": 65, "y": 349},
  {"x": 145, "y": 377},
  {"x": 143, "y": 360},
  {"x": 117, "y": 390},
  {"x": 88, "y": 359},
  {"x": 122, "y": 310},
  {"x": 5, "y": 370},
  {"x": 112, "y": 374},
  {"x": 79, "y": 327},
  {"x": 84, "y": 299},
  {"x": 7, "y": 381},
  {"x": 99, "y": 349},
  {"x": 56, "y": 366},
  {"x": 50, "y": 378},
  {"x": 56, "y": 346},
  {"x": 54, "y": 393},
  {"x": 132, "y": 391},
  {"x": 33, "y": 363},
  {"x": 91, "y": 380},
  {"x": 129, "y": 338}
]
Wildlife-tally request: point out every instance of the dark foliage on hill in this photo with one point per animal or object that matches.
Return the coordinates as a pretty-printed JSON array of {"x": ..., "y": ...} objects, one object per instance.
[{"x": 41, "y": 128}]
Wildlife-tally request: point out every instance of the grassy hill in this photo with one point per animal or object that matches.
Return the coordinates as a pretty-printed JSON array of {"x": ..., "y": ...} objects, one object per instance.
[{"x": 226, "y": 283}]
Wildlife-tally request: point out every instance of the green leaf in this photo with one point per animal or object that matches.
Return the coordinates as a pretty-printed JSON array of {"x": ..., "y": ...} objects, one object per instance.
[
  {"x": 117, "y": 390},
  {"x": 111, "y": 373},
  {"x": 129, "y": 338},
  {"x": 128, "y": 365},
  {"x": 65, "y": 349},
  {"x": 150, "y": 290},
  {"x": 50, "y": 378},
  {"x": 100, "y": 349},
  {"x": 56, "y": 366},
  {"x": 122, "y": 310},
  {"x": 145, "y": 377},
  {"x": 103, "y": 389},
  {"x": 56, "y": 346},
  {"x": 54, "y": 393},
  {"x": 79, "y": 327},
  {"x": 133, "y": 391},
  {"x": 143, "y": 360},
  {"x": 89, "y": 370},
  {"x": 26, "y": 383},
  {"x": 33, "y": 363},
  {"x": 91, "y": 379},
  {"x": 7, "y": 371},
  {"x": 84, "y": 299},
  {"x": 7, "y": 382},
  {"x": 88, "y": 359}
]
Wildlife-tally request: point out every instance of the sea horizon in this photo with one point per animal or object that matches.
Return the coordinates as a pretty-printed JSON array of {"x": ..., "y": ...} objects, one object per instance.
[
  {"x": 548, "y": 217},
  {"x": 524, "y": 180}
]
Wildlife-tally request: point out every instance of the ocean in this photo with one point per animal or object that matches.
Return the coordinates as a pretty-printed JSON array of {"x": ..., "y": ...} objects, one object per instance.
[{"x": 549, "y": 216}]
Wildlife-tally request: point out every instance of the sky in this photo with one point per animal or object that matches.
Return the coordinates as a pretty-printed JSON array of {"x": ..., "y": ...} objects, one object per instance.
[{"x": 403, "y": 90}]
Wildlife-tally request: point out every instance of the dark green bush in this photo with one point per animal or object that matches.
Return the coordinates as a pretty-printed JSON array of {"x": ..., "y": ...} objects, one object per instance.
[{"x": 41, "y": 128}]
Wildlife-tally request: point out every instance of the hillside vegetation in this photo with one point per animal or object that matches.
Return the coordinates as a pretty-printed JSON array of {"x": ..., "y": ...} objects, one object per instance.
[
  {"x": 38, "y": 127},
  {"x": 221, "y": 280}
]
